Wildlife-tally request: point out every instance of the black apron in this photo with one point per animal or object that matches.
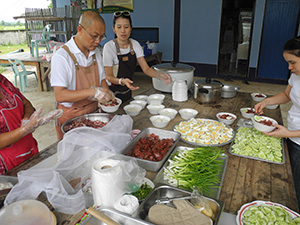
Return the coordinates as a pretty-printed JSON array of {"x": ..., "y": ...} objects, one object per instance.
[{"x": 127, "y": 65}]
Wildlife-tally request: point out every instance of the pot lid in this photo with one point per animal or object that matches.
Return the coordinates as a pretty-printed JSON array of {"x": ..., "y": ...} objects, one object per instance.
[
  {"x": 174, "y": 67},
  {"x": 208, "y": 84}
]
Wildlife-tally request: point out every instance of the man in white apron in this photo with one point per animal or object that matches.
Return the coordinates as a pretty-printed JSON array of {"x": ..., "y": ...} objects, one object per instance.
[{"x": 77, "y": 73}]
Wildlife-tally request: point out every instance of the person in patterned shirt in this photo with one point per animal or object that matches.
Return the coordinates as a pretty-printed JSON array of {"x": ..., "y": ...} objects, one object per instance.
[{"x": 18, "y": 119}]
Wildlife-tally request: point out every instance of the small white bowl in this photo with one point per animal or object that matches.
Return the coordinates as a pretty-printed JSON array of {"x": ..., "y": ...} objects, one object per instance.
[
  {"x": 140, "y": 97},
  {"x": 187, "y": 114},
  {"x": 155, "y": 99},
  {"x": 139, "y": 102},
  {"x": 171, "y": 113},
  {"x": 160, "y": 121},
  {"x": 256, "y": 98},
  {"x": 153, "y": 109},
  {"x": 262, "y": 127},
  {"x": 271, "y": 106},
  {"x": 245, "y": 112},
  {"x": 230, "y": 118},
  {"x": 111, "y": 109},
  {"x": 132, "y": 109}
]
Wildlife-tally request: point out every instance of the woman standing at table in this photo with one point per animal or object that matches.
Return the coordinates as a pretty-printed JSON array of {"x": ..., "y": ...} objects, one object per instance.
[
  {"x": 291, "y": 54},
  {"x": 18, "y": 119},
  {"x": 121, "y": 55}
]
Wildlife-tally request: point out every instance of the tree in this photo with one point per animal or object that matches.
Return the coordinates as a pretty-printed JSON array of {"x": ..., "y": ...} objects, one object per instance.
[{"x": 51, "y": 4}]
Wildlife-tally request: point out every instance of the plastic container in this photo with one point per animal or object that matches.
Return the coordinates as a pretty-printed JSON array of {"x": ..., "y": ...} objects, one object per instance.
[
  {"x": 27, "y": 212},
  {"x": 160, "y": 121},
  {"x": 187, "y": 114}
]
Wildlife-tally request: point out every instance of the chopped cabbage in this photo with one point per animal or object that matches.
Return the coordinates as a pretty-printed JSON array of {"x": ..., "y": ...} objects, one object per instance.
[{"x": 253, "y": 143}]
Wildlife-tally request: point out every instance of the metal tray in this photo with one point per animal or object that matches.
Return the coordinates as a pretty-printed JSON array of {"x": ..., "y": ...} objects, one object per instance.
[
  {"x": 260, "y": 159},
  {"x": 4, "y": 192},
  {"x": 117, "y": 216},
  {"x": 203, "y": 145},
  {"x": 147, "y": 164},
  {"x": 215, "y": 191},
  {"x": 104, "y": 117},
  {"x": 166, "y": 191}
]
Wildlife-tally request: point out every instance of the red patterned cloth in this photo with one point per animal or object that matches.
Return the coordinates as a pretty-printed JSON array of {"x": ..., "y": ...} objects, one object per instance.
[
  {"x": 2, "y": 168},
  {"x": 8, "y": 101}
]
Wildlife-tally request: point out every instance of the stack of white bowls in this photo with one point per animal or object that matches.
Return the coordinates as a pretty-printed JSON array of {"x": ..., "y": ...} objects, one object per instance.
[
  {"x": 180, "y": 91},
  {"x": 155, "y": 103}
]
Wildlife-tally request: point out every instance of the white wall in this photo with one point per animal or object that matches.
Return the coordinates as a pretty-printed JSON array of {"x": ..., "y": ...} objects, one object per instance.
[{"x": 12, "y": 37}]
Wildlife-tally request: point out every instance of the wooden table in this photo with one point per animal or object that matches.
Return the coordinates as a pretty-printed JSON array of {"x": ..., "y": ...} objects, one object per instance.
[
  {"x": 27, "y": 59},
  {"x": 245, "y": 179}
]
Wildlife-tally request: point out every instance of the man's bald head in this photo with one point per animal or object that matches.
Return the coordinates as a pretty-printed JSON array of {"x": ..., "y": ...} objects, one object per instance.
[{"x": 89, "y": 17}]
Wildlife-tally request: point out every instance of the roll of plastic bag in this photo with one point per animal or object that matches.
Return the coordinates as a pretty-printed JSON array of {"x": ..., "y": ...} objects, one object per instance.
[{"x": 127, "y": 204}]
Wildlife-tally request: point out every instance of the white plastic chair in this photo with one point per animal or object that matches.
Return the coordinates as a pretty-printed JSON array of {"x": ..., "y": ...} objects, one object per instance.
[{"x": 22, "y": 74}]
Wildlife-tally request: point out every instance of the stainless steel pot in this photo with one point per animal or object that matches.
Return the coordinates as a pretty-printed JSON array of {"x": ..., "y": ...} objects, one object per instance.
[
  {"x": 177, "y": 71},
  {"x": 207, "y": 91},
  {"x": 229, "y": 90}
]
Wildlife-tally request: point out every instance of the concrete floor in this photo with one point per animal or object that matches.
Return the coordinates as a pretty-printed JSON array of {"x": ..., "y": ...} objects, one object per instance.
[{"x": 46, "y": 135}]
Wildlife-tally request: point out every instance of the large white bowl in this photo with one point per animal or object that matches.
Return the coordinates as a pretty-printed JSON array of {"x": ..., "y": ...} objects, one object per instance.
[
  {"x": 140, "y": 97},
  {"x": 111, "y": 109},
  {"x": 258, "y": 99},
  {"x": 229, "y": 119},
  {"x": 262, "y": 127},
  {"x": 132, "y": 109},
  {"x": 244, "y": 112},
  {"x": 271, "y": 106},
  {"x": 169, "y": 112},
  {"x": 142, "y": 103},
  {"x": 155, "y": 99},
  {"x": 153, "y": 109},
  {"x": 160, "y": 121},
  {"x": 187, "y": 113}
]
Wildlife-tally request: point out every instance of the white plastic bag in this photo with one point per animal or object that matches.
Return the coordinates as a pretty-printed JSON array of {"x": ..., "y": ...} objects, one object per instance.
[{"x": 75, "y": 155}]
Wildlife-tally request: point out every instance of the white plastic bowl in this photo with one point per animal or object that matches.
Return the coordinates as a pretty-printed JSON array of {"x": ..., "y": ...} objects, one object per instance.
[
  {"x": 111, "y": 109},
  {"x": 271, "y": 106},
  {"x": 132, "y": 109},
  {"x": 153, "y": 109},
  {"x": 140, "y": 97},
  {"x": 160, "y": 121},
  {"x": 171, "y": 113},
  {"x": 155, "y": 99},
  {"x": 229, "y": 119},
  {"x": 142, "y": 103},
  {"x": 244, "y": 112},
  {"x": 187, "y": 114},
  {"x": 258, "y": 99},
  {"x": 262, "y": 127}
]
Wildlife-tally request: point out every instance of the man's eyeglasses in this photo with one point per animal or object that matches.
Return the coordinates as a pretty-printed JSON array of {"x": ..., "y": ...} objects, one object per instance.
[
  {"x": 95, "y": 38},
  {"x": 120, "y": 13}
]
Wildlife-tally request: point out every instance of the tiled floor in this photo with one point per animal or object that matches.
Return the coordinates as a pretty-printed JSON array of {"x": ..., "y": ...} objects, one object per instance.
[{"x": 46, "y": 135}]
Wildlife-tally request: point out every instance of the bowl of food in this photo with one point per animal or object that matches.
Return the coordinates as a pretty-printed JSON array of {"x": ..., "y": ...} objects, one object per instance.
[
  {"x": 133, "y": 109},
  {"x": 140, "y": 97},
  {"x": 187, "y": 114},
  {"x": 111, "y": 106},
  {"x": 153, "y": 109},
  {"x": 171, "y": 113},
  {"x": 225, "y": 117},
  {"x": 160, "y": 121},
  {"x": 142, "y": 103},
  {"x": 155, "y": 99},
  {"x": 263, "y": 123},
  {"x": 247, "y": 112},
  {"x": 258, "y": 97},
  {"x": 271, "y": 106}
]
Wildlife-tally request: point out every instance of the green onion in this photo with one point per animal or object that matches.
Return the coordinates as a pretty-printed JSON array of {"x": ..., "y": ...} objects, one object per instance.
[
  {"x": 196, "y": 168},
  {"x": 143, "y": 191}
]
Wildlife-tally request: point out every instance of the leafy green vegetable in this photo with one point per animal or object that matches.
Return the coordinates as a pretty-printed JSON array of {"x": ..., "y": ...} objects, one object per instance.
[
  {"x": 195, "y": 168},
  {"x": 143, "y": 191},
  {"x": 266, "y": 214},
  {"x": 253, "y": 143}
]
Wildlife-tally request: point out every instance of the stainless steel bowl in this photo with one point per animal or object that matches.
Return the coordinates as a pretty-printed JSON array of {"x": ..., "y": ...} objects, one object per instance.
[
  {"x": 229, "y": 91},
  {"x": 104, "y": 117}
]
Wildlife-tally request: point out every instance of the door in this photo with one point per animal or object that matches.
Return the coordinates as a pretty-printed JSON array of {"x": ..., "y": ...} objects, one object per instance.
[{"x": 280, "y": 25}]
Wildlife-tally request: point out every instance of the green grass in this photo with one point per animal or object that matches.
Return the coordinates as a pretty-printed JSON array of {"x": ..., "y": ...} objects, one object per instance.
[
  {"x": 13, "y": 47},
  {"x": 12, "y": 27}
]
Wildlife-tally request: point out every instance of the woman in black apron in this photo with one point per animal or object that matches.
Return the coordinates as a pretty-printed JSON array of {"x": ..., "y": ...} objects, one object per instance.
[{"x": 121, "y": 56}]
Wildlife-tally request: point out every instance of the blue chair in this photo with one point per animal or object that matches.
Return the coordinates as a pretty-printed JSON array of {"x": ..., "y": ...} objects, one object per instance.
[
  {"x": 22, "y": 74},
  {"x": 45, "y": 39}
]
